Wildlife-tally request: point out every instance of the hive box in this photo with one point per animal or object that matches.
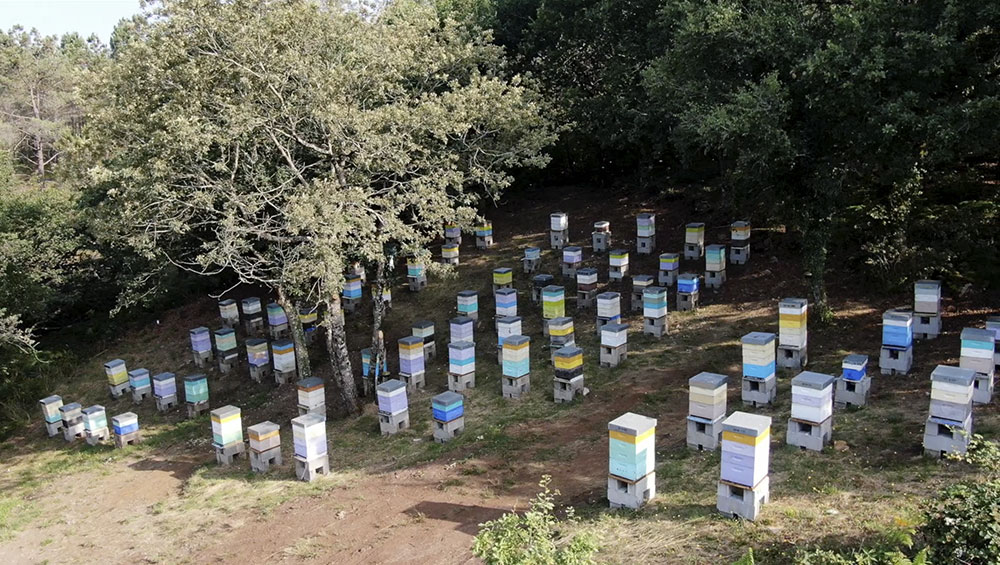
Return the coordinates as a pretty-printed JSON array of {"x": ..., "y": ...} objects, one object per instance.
[
  {"x": 811, "y": 424},
  {"x": 227, "y": 434},
  {"x": 745, "y": 449},
  {"x": 309, "y": 442},
  {"x": 694, "y": 241},
  {"x": 393, "y": 407},
  {"x": 601, "y": 236},
  {"x": 448, "y": 409},
  {"x": 793, "y": 336},
  {"x": 854, "y": 382},
  {"x": 569, "y": 378},
  {"x": 558, "y": 230},
  {"x": 645, "y": 241},
  {"x": 759, "y": 385},
  {"x": 631, "y": 460},
  {"x": 715, "y": 266},
  {"x": 50, "y": 413},
  {"x": 614, "y": 344},
  {"x": 265, "y": 446},
  {"x": 706, "y": 410}
]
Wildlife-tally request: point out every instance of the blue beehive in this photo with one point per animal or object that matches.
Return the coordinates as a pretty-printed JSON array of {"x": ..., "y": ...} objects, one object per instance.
[
  {"x": 897, "y": 328},
  {"x": 506, "y": 300},
  {"x": 201, "y": 340},
  {"x": 687, "y": 283},
  {"x": 392, "y": 396},
  {"x": 855, "y": 367},
  {"x": 448, "y": 406}
]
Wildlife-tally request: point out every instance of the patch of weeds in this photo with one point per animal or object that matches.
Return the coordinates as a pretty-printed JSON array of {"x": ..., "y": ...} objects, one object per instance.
[
  {"x": 448, "y": 483},
  {"x": 15, "y": 513}
]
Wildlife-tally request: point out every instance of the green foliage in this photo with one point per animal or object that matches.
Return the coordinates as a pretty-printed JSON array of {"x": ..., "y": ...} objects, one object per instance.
[
  {"x": 859, "y": 557},
  {"x": 963, "y": 524},
  {"x": 533, "y": 538}
]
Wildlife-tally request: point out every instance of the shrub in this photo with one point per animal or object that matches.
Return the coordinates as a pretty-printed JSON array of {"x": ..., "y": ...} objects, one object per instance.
[{"x": 963, "y": 524}]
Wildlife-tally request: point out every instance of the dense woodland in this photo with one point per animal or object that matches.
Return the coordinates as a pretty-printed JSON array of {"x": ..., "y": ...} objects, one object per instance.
[{"x": 274, "y": 142}]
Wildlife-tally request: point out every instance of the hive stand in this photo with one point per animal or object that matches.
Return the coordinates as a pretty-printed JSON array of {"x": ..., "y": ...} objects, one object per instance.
[
  {"x": 309, "y": 469},
  {"x": 623, "y": 493},
  {"x": 740, "y": 501},
  {"x": 809, "y": 435}
]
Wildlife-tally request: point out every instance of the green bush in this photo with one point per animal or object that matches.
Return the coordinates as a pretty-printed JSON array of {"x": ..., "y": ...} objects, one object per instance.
[
  {"x": 533, "y": 538},
  {"x": 963, "y": 524}
]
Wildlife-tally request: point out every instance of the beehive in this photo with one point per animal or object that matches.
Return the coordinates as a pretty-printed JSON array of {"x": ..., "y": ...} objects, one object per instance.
[
  {"x": 758, "y": 355},
  {"x": 227, "y": 426},
  {"x": 309, "y": 436},
  {"x": 50, "y": 408},
  {"x": 424, "y": 329},
  {"x": 614, "y": 335},
  {"x": 670, "y": 261},
  {"x": 484, "y": 229},
  {"x": 116, "y": 372},
  {"x": 558, "y": 221},
  {"x": 461, "y": 329},
  {"x": 654, "y": 302},
  {"x": 516, "y": 361},
  {"x": 283, "y": 352},
  {"x": 739, "y": 231},
  {"x": 461, "y": 357},
  {"x": 164, "y": 385},
  {"x": 715, "y": 258},
  {"x": 452, "y": 231},
  {"x": 586, "y": 278},
  {"x": 618, "y": 258},
  {"x": 503, "y": 276},
  {"x": 792, "y": 322},
  {"x": 609, "y": 305},
  {"x": 311, "y": 393},
  {"x": 812, "y": 396},
  {"x": 694, "y": 233},
  {"x": 568, "y": 362},
  {"x": 411, "y": 355},
  {"x": 927, "y": 297},
  {"x": 897, "y": 328},
  {"x": 978, "y": 348},
  {"x": 561, "y": 330},
  {"x": 415, "y": 268},
  {"x": 139, "y": 380},
  {"x": 195, "y": 389},
  {"x": 506, "y": 302},
  {"x": 951, "y": 393},
  {"x": 95, "y": 420},
  {"x": 553, "y": 302},
  {"x": 855, "y": 367},
  {"x": 688, "y": 283},
  {"x": 251, "y": 305},
  {"x": 392, "y": 397},
  {"x": 468, "y": 303},
  {"x": 124, "y": 424},
  {"x": 225, "y": 339},
  {"x": 448, "y": 406},
  {"x": 229, "y": 311},
  {"x": 276, "y": 315},
  {"x": 631, "y": 446},
  {"x": 352, "y": 287},
  {"x": 257, "y": 353},
  {"x": 201, "y": 340},
  {"x": 746, "y": 448},
  {"x": 506, "y": 327},
  {"x": 572, "y": 255},
  {"x": 645, "y": 225},
  {"x": 532, "y": 253},
  {"x": 449, "y": 251},
  {"x": 707, "y": 395},
  {"x": 264, "y": 436}
]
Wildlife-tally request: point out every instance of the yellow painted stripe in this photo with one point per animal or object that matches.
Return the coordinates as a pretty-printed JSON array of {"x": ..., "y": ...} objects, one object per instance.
[
  {"x": 745, "y": 439},
  {"x": 227, "y": 419},
  {"x": 631, "y": 439},
  {"x": 258, "y": 437}
]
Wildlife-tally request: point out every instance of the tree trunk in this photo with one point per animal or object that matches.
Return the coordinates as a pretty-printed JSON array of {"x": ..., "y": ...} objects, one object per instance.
[
  {"x": 298, "y": 334},
  {"x": 40, "y": 155},
  {"x": 816, "y": 239},
  {"x": 340, "y": 362},
  {"x": 378, "y": 312}
]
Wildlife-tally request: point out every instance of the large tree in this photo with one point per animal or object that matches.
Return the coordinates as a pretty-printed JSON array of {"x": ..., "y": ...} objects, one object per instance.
[{"x": 275, "y": 139}]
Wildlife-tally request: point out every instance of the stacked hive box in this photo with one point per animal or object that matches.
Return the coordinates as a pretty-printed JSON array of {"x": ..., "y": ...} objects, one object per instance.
[
  {"x": 503, "y": 278},
  {"x": 949, "y": 424},
  {"x": 387, "y": 297},
  {"x": 259, "y": 358},
  {"x": 532, "y": 256},
  {"x": 538, "y": 282},
  {"x": 312, "y": 396},
  {"x": 411, "y": 362},
  {"x": 854, "y": 382},
  {"x": 449, "y": 254},
  {"x": 601, "y": 236},
  {"x": 277, "y": 321},
  {"x": 645, "y": 225},
  {"x": 309, "y": 317},
  {"x": 117, "y": 377},
  {"x": 572, "y": 258},
  {"x": 72, "y": 421},
  {"x": 452, "y": 234},
  {"x": 265, "y": 446},
  {"x": 225, "y": 345},
  {"x": 586, "y": 287},
  {"x": 283, "y": 353},
  {"x": 993, "y": 325},
  {"x": 165, "y": 391},
  {"x": 461, "y": 365},
  {"x": 614, "y": 344},
  {"x": 558, "y": 230},
  {"x": 201, "y": 345},
  {"x": 356, "y": 270},
  {"x": 760, "y": 385},
  {"x": 484, "y": 235},
  {"x": 393, "y": 407},
  {"x": 977, "y": 355},
  {"x": 424, "y": 329},
  {"x": 739, "y": 247},
  {"x": 516, "y": 366},
  {"x": 617, "y": 264},
  {"x": 897, "y": 342},
  {"x": 50, "y": 413},
  {"x": 654, "y": 311},
  {"x": 569, "y": 374},
  {"x": 506, "y": 327},
  {"x": 744, "y": 484},
  {"x": 367, "y": 371},
  {"x": 706, "y": 410},
  {"x": 195, "y": 394},
  {"x": 715, "y": 266},
  {"x": 553, "y": 305},
  {"x": 227, "y": 434},
  {"x": 253, "y": 319},
  {"x": 631, "y": 460},
  {"x": 352, "y": 292},
  {"x": 609, "y": 309},
  {"x": 639, "y": 285},
  {"x": 793, "y": 336},
  {"x": 468, "y": 304},
  {"x": 126, "y": 429},
  {"x": 461, "y": 329},
  {"x": 694, "y": 241},
  {"x": 561, "y": 332},
  {"x": 142, "y": 387},
  {"x": 811, "y": 424},
  {"x": 688, "y": 292},
  {"x": 448, "y": 411},
  {"x": 95, "y": 424},
  {"x": 669, "y": 265},
  {"x": 229, "y": 312},
  {"x": 926, "y": 309},
  {"x": 416, "y": 274},
  {"x": 309, "y": 442}
]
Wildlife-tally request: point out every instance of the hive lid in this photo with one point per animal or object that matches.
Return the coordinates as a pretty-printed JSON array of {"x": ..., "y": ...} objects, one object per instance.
[
  {"x": 642, "y": 279},
  {"x": 809, "y": 379},
  {"x": 199, "y": 330},
  {"x": 114, "y": 363},
  {"x": 460, "y": 320},
  {"x": 614, "y": 327},
  {"x": 447, "y": 398},
  {"x": 163, "y": 377},
  {"x": 793, "y": 302},
  {"x": 508, "y": 319},
  {"x": 976, "y": 334},
  {"x": 95, "y": 409},
  {"x": 586, "y": 271},
  {"x": 695, "y": 225},
  {"x": 632, "y": 424},
  {"x": 391, "y": 385},
  {"x": 311, "y": 382},
  {"x": 654, "y": 290},
  {"x": 747, "y": 424},
  {"x": 505, "y": 291},
  {"x": 263, "y": 428},
  {"x": 543, "y": 278},
  {"x": 687, "y": 276},
  {"x": 708, "y": 380},
  {"x": 608, "y": 296},
  {"x": 514, "y": 340},
  {"x": 898, "y": 314},
  {"x": 503, "y": 270},
  {"x": 670, "y": 255},
  {"x": 308, "y": 420},
  {"x": 51, "y": 399},
  {"x": 411, "y": 340},
  {"x": 461, "y": 345},
  {"x": 741, "y": 224},
  {"x": 422, "y": 324},
  {"x": 195, "y": 378},
  {"x": 70, "y": 407},
  {"x": 553, "y": 288},
  {"x": 757, "y": 338},
  {"x": 569, "y": 351},
  {"x": 953, "y": 375},
  {"x": 225, "y": 412},
  {"x": 928, "y": 285},
  {"x": 467, "y": 293},
  {"x": 856, "y": 359},
  {"x": 125, "y": 417},
  {"x": 715, "y": 247}
]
